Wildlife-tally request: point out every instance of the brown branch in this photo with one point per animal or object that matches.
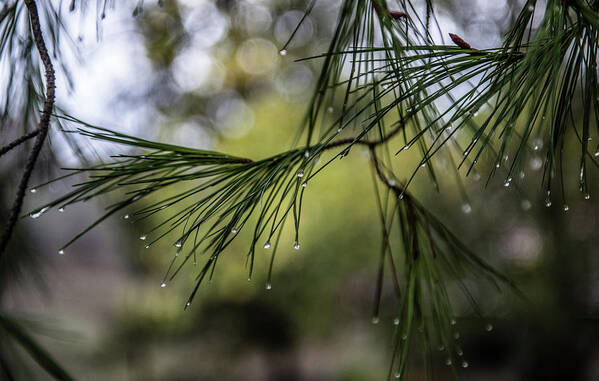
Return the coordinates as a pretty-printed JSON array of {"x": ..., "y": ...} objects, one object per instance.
[
  {"x": 15, "y": 143},
  {"x": 369, "y": 143},
  {"x": 44, "y": 124}
]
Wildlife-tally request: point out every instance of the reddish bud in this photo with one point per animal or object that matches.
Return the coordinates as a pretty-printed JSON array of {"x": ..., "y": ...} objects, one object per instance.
[
  {"x": 459, "y": 42},
  {"x": 397, "y": 15}
]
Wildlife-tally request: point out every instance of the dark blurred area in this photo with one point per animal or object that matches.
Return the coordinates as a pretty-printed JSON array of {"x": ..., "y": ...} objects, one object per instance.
[{"x": 215, "y": 79}]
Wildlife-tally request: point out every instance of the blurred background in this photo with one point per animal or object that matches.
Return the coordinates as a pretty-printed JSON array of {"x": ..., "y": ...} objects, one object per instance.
[{"x": 208, "y": 74}]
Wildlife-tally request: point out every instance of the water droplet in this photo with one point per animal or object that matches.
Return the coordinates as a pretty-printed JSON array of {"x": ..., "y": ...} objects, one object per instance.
[
  {"x": 397, "y": 375},
  {"x": 233, "y": 231},
  {"x": 143, "y": 237},
  {"x": 375, "y": 320},
  {"x": 522, "y": 174},
  {"x": 404, "y": 337},
  {"x": 283, "y": 52},
  {"x": 307, "y": 153},
  {"x": 531, "y": 8},
  {"x": 587, "y": 196},
  {"x": 459, "y": 351},
  {"x": 268, "y": 286},
  {"x": 464, "y": 364},
  {"x": 497, "y": 165},
  {"x": 476, "y": 176},
  {"x": 339, "y": 129},
  {"x": 597, "y": 152},
  {"x": 406, "y": 147},
  {"x": 267, "y": 245},
  {"x": 61, "y": 251},
  {"x": 176, "y": 253},
  {"x": 423, "y": 165},
  {"x": 300, "y": 173},
  {"x": 548, "y": 202},
  {"x": 60, "y": 210},
  {"x": 178, "y": 244},
  {"x": 466, "y": 153},
  {"x": 537, "y": 144},
  {"x": 566, "y": 208},
  {"x": 33, "y": 190},
  {"x": 163, "y": 285},
  {"x": 466, "y": 208},
  {"x": 188, "y": 304},
  {"x": 396, "y": 321},
  {"x": 489, "y": 327},
  {"x": 304, "y": 184},
  {"x": 38, "y": 213},
  {"x": 448, "y": 362},
  {"x": 536, "y": 163},
  {"x": 126, "y": 217},
  {"x": 507, "y": 184},
  {"x": 441, "y": 347},
  {"x": 296, "y": 245},
  {"x": 330, "y": 110},
  {"x": 453, "y": 322},
  {"x": 456, "y": 335},
  {"x": 147, "y": 246}
]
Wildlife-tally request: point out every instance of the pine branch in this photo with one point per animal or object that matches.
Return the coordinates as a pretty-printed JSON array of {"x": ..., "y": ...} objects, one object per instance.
[
  {"x": 15, "y": 143},
  {"x": 43, "y": 127}
]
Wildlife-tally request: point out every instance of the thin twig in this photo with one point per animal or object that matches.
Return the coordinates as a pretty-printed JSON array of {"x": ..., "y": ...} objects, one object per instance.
[
  {"x": 44, "y": 124},
  {"x": 369, "y": 143},
  {"x": 15, "y": 143}
]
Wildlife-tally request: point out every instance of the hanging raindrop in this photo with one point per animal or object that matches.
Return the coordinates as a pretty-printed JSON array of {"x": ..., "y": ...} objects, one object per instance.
[
  {"x": 304, "y": 184},
  {"x": 233, "y": 231},
  {"x": 330, "y": 110},
  {"x": 38, "y": 213},
  {"x": 296, "y": 245},
  {"x": 566, "y": 208},
  {"x": 464, "y": 364},
  {"x": 396, "y": 321},
  {"x": 61, "y": 251},
  {"x": 466, "y": 208},
  {"x": 143, "y": 237},
  {"x": 283, "y": 52},
  {"x": 178, "y": 244},
  {"x": 147, "y": 246},
  {"x": 448, "y": 362},
  {"x": 453, "y": 322},
  {"x": 268, "y": 286},
  {"x": 163, "y": 285},
  {"x": 375, "y": 320},
  {"x": 548, "y": 202},
  {"x": 456, "y": 335},
  {"x": 587, "y": 196},
  {"x": 33, "y": 190},
  {"x": 489, "y": 327},
  {"x": 300, "y": 173},
  {"x": 267, "y": 245},
  {"x": 60, "y": 210}
]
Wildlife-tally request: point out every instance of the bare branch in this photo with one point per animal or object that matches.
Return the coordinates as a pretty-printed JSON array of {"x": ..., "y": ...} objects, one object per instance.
[
  {"x": 15, "y": 143},
  {"x": 44, "y": 124}
]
